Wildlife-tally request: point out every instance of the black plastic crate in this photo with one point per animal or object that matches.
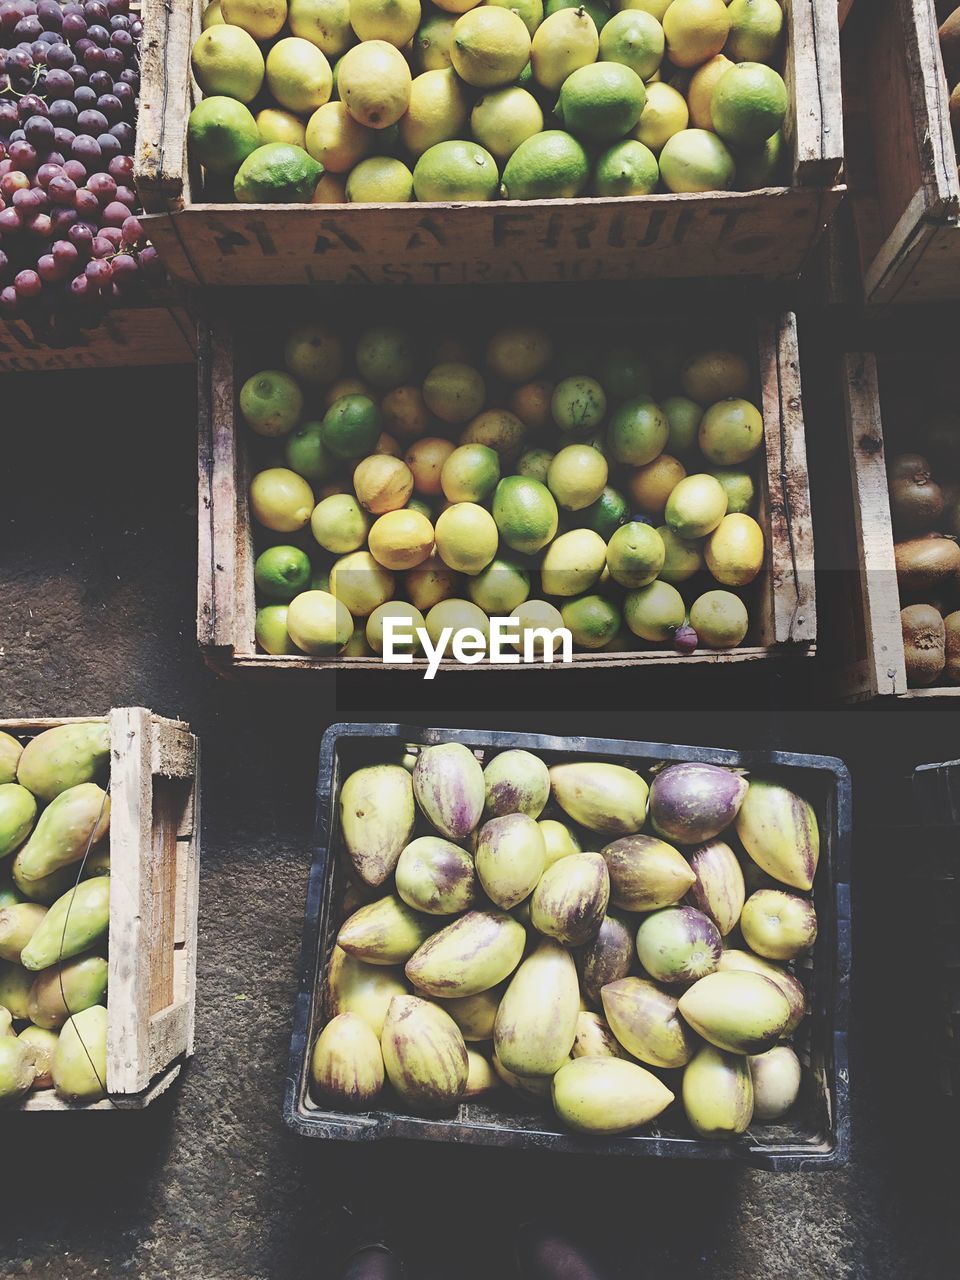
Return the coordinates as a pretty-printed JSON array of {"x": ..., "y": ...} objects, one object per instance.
[{"x": 816, "y": 1133}]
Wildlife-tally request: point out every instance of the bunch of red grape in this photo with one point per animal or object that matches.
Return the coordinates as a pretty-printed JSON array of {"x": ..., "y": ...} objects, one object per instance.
[{"x": 70, "y": 240}]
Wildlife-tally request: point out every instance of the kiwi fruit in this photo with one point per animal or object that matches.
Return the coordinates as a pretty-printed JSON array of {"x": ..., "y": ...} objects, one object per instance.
[
  {"x": 916, "y": 500},
  {"x": 926, "y": 565},
  {"x": 924, "y": 643},
  {"x": 909, "y": 466},
  {"x": 951, "y": 626}
]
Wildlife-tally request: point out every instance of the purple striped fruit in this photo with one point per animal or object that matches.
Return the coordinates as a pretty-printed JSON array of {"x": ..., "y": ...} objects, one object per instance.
[
  {"x": 644, "y": 1019},
  {"x": 737, "y": 1012},
  {"x": 537, "y": 1019},
  {"x": 481, "y": 1077},
  {"x": 510, "y": 858},
  {"x": 601, "y": 797},
  {"x": 607, "y": 1095},
  {"x": 646, "y": 873},
  {"x": 779, "y": 831},
  {"x": 424, "y": 1054},
  {"x": 385, "y": 932},
  {"x": 606, "y": 957},
  {"x": 436, "y": 876},
  {"x": 376, "y": 819},
  {"x": 570, "y": 901},
  {"x": 449, "y": 788},
  {"x": 594, "y": 1039},
  {"x": 778, "y": 925},
  {"x": 516, "y": 782},
  {"x": 470, "y": 955},
  {"x": 789, "y": 984},
  {"x": 353, "y": 986},
  {"x": 346, "y": 1066},
  {"x": 694, "y": 802},
  {"x": 717, "y": 1093},
  {"x": 718, "y": 890},
  {"x": 678, "y": 945},
  {"x": 776, "y": 1082}
]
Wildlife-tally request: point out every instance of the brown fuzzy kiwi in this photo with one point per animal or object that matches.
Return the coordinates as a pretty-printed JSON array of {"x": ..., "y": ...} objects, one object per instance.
[
  {"x": 916, "y": 503},
  {"x": 951, "y": 626},
  {"x": 930, "y": 563},
  {"x": 924, "y": 642},
  {"x": 909, "y": 466}
]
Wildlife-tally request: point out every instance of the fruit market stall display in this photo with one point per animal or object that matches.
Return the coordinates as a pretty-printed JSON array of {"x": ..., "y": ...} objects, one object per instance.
[
  {"x": 647, "y": 493},
  {"x": 905, "y": 478},
  {"x": 585, "y": 945},
  {"x": 99, "y": 866},
  {"x": 359, "y": 141},
  {"x": 71, "y": 244},
  {"x": 900, "y": 97}
]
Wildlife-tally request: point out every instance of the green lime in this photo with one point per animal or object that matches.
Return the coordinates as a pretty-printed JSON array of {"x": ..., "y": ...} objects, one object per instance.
[
  {"x": 470, "y": 474},
  {"x": 637, "y": 432},
  {"x": 386, "y": 357},
  {"x": 592, "y": 620},
  {"x": 625, "y": 374},
  {"x": 306, "y": 453},
  {"x": 739, "y": 488},
  {"x": 351, "y": 427},
  {"x": 456, "y": 171},
  {"x": 755, "y": 30},
  {"x": 526, "y": 513},
  {"x": 635, "y": 554},
  {"x": 606, "y": 514},
  {"x": 270, "y": 630},
  {"x": 654, "y": 612},
  {"x": 634, "y": 38},
  {"x": 280, "y": 573},
  {"x": 627, "y": 168},
  {"x": 696, "y": 160},
  {"x": 682, "y": 558},
  {"x": 277, "y": 173},
  {"x": 749, "y": 104},
  {"x": 578, "y": 404},
  {"x": 601, "y": 102},
  {"x": 271, "y": 402},
  {"x": 534, "y": 464},
  {"x": 222, "y": 133},
  {"x": 431, "y": 44},
  {"x": 500, "y": 587},
  {"x": 761, "y": 166},
  {"x": 549, "y": 166},
  {"x": 314, "y": 354},
  {"x": 683, "y": 418}
]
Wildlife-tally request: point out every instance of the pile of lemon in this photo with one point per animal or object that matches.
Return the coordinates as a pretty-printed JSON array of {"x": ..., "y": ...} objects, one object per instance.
[
  {"x": 384, "y": 101},
  {"x": 608, "y": 491}
]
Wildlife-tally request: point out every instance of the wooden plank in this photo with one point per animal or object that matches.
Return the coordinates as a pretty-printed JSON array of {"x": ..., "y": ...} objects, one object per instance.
[
  {"x": 814, "y": 126},
  {"x": 163, "y": 894},
  {"x": 765, "y": 233},
  {"x": 161, "y": 143},
  {"x": 130, "y": 836},
  {"x": 169, "y": 1032},
  {"x": 219, "y": 533},
  {"x": 885, "y": 670},
  {"x": 173, "y": 749},
  {"x": 148, "y": 335}
]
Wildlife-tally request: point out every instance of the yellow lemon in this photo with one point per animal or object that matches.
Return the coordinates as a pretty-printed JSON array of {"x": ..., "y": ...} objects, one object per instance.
[
  {"x": 431, "y": 44},
  {"x": 682, "y": 558},
  {"x": 458, "y": 615},
  {"x": 696, "y": 506},
  {"x": 408, "y": 614},
  {"x": 338, "y": 524},
  {"x": 720, "y": 619},
  {"x": 313, "y": 354},
  {"x": 700, "y": 90},
  {"x": 731, "y": 431},
  {"x": 500, "y": 430},
  {"x": 347, "y": 387},
  {"x": 280, "y": 126},
  {"x": 734, "y": 551},
  {"x": 455, "y": 392},
  {"x": 755, "y": 30},
  {"x": 535, "y": 618},
  {"x": 357, "y": 646},
  {"x": 568, "y": 39},
  {"x": 470, "y": 474},
  {"x": 573, "y": 563},
  {"x": 335, "y": 139},
  {"x": 227, "y": 61},
  {"x": 425, "y": 459},
  {"x": 664, "y": 115},
  {"x": 438, "y": 111},
  {"x": 331, "y": 189},
  {"x": 380, "y": 180},
  {"x": 319, "y": 623},
  {"x": 715, "y": 375},
  {"x": 503, "y": 118},
  {"x": 401, "y": 539},
  {"x": 281, "y": 500},
  {"x": 361, "y": 583},
  {"x": 695, "y": 30},
  {"x": 456, "y": 6},
  {"x": 383, "y": 483},
  {"x": 373, "y": 80},
  {"x": 467, "y": 537},
  {"x": 654, "y": 612},
  {"x": 577, "y": 476},
  {"x": 650, "y": 486},
  {"x": 395, "y": 21},
  {"x": 696, "y": 160},
  {"x": 263, "y": 19},
  {"x": 635, "y": 555},
  {"x": 518, "y": 353},
  {"x": 490, "y": 47},
  {"x": 657, "y": 8},
  {"x": 500, "y": 587},
  {"x": 325, "y": 23},
  {"x": 298, "y": 75},
  {"x": 212, "y": 17},
  {"x": 430, "y": 582}
]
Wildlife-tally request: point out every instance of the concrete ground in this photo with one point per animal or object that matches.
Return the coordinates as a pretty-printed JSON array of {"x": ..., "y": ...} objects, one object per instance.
[{"x": 97, "y": 597}]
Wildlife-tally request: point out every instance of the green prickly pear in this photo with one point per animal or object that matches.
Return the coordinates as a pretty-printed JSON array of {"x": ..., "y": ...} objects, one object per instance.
[
  {"x": 72, "y": 924},
  {"x": 10, "y": 753},
  {"x": 18, "y": 924},
  {"x": 65, "y": 989},
  {"x": 10, "y": 895},
  {"x": 64, "y": 757},
  {"x": 69, "y": 825},
  {"x": 79, "y": 1066},
  {"x": 15, "y": 984},
  {"x": 46, "y": 890},
  {"x": 6, "y": 1022},
  {"x": 42, "y": 1043},
  {"x": 18, "y": 809},
  {"x": 17, "y": 1068}
]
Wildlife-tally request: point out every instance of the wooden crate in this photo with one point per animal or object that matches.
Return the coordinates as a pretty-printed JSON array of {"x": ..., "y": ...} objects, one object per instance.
[
  {"x": 767, "y": 233},
  {"x": 784, "y": 609},
  {"x": 147, "y": 335},
  {"x": 154, "y": 885},
  {"x": 901, "y": 157}
]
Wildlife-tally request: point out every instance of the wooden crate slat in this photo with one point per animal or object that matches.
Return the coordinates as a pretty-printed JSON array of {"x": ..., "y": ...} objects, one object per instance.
[
  {"x": 814, "y": 125},
  {"x": 161, "y": 143},
  {"x": 173, "y": 750},
  {"x": 168, "y": 1033},
  {"x": 127, "y": 336},
  {"x": 786, "y": 607}
]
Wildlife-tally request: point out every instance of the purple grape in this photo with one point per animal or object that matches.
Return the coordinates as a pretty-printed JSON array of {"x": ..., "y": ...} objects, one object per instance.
[
  {"x": 114, "y": 60},
  {"x": 86, "y": 203},
  {"x": 24, "y": 156},
  {"x": 120, "y": 22},
  {"x": 102, "y": 246},
  {"x": 9, "y": 17},
  {"x": 47, "y": 269},
  {"x": 63, "y": 138},
  {"x": 80, "y": 74},
  {"x": 74, "y": 26},
  {"x": 86, "y": 150},
  {"x": 126, "y": 272},
  {"x": 84, "y": 98},
  {"x": 41, "y": 226},
  {"x": 115, "y": 214},
  {"x": 95, "y": 58},
  {"x": 17, "y": 136},
  {"x": 4, "y": 265},
  {"x": 49, "y": 38},
  {"x": 75, "y": 171},
  {"x": 10, "y": 222},
  {"x": 113, "y": 234},
  {"x": 58, "y": 84},
  {"x": 81, "y": 236},
  {"x": 13, "y": 181},
  {"x": 124, "y": 133},
  {"x": 122, "y": 40},
  {"x": 50, "y": 14},
  {"x": 62, "y": 220},
  {"x": 103, "y": 187},
  {"x": 127, "y": 196},
  {"x": 79, "y": 287},
  {"x": 110, "y": 145},
  {"x": 26, "y": 201},
  {"x": 124, "y": 94},
  {"x": 8, "y": 118},
  {"x": 150, "y": 263},
  {"x": 130, "y": 77},
  {"x": 64, "y": 113},
  {"x": 40, "y": 132},
  {"x": 17, "y": 62},
  {"x": 81, "y": 46},
  {"x": 65, "y": 254},
  {"x": 120, "y": 169},
  {"x": 27, "y": 284},
  {"x": 99, "y": 35},
  {"x": 99, "y": 272},
  {"x": 91, "y": 121},
  {"x": 133, "y": 232},
  {"x": 117, "y": 7},
  {"x": 62, "y": 191},
  {"x": 60, "y": 56},
  {"x": 110, "y": 107},
  {"x": 31, "y": 104},
  {"x": 101, "y": 82},
  {"x": 27, "y": 29},
  {"x": 9, "y": 302}
]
